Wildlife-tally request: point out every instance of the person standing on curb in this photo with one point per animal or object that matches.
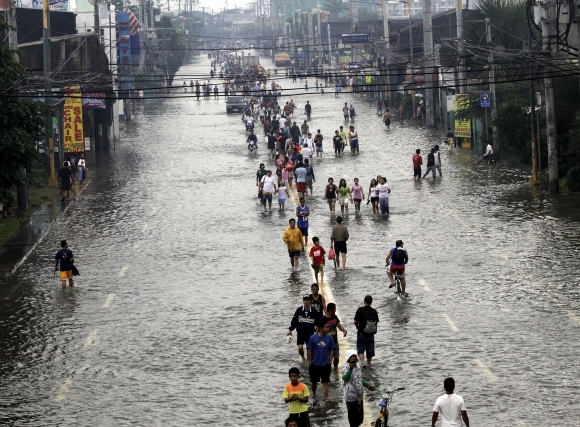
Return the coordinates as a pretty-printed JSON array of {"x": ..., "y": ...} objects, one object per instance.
[
  {"x": 451, "y": 406},
  {"x": 302, "y": 212},
  {"x": 365, "y": 320},
  {"x": 320, "y": 354},
  {"x": 82, "y": 167},
  {"x": 338, "y": 237},
  {"x": 352, "y": 389},
  {"x": 294, "y": 241},
  {"x": 66, "y": 259},
  {"x": 296, "y": 394},
  {"x": 304, "y": 321}
]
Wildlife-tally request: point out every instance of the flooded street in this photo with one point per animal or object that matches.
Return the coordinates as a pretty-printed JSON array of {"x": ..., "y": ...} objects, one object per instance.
[{"x": 186, "y": 293}]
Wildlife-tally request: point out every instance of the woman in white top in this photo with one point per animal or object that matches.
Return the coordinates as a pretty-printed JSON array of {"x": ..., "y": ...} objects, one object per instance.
[
  {"x": 82, "y": 167},
  {"x": 384, "y": 190},
  {"x": 374, "y": 196}
]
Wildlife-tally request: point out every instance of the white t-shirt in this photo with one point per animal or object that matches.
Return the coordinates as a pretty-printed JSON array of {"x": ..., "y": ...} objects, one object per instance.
[
  {"x": 282, "y": 122},
  {"x": 306, "y": 153},
  {"x": 269, "y": 182},
  {"x": 310, "y": 143},
  {"x": 489, "y": 149},
  {"x": 383, "y": 190},
  {"x": 449, "y": 406},
  {"x": 282, "y": 194}
]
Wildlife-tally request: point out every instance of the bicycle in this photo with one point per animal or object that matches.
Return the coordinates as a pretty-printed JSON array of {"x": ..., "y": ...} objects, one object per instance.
[
  {"x": 383, "y": 417},
  {"x": 398, "y": 286}
]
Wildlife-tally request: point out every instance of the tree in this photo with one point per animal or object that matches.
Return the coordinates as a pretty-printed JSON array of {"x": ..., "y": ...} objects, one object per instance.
[
  {"x": 22, "y": 122},
  {"x": 174, "y": 45}
]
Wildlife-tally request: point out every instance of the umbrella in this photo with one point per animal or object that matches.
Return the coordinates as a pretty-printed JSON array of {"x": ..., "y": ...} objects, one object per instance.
[{"x": 419, "y": 95}]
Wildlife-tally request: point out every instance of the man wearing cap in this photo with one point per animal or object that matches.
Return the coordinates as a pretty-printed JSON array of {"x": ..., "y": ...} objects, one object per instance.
[
  {"x": 304, "y": 321},
  {"x": 294, "y": 241},
  {"x": 268, "y": 186}
]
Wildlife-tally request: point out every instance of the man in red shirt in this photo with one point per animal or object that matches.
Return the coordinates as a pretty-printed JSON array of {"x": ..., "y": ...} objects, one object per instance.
[
  {"x": 317, "y": 253},
  {"x": 417, "y": 162}
]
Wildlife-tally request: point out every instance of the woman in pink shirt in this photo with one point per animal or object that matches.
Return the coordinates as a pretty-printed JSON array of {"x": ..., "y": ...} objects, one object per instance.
[{"x": 357, "y": 194}]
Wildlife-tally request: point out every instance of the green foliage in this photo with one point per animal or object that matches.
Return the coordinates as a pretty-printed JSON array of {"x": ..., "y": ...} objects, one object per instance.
[
  {"x": 175, "y": 46},
  {"x": 21, "y": 121},
  {"x": 573, "y": 179}
]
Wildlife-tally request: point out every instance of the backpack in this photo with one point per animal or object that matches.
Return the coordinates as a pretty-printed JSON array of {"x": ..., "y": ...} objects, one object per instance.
[
  {"x": 398, "y": 256},
  {"x": 372, "y": 320}
]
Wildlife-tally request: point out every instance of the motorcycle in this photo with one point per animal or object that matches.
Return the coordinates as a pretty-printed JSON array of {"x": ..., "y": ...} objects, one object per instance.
[{"x": 252, "y": 147}]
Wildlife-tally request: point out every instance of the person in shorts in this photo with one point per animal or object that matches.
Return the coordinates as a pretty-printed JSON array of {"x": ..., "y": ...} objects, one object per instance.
[
  {"x": 66, "y": 259},
  {"x": 296, "y": 394},
  {"x": 397, "y": 258},
  {"x": 302, "y": 213},
  {"x": 365, "y": 341},
  {"x": 320, "y": 355},
  {"x": 309, "y": 175},
  {"x": 318, "y": 143},
  {"x": 338, "y": 237},
  {"x": 317, "y": 253},
  {"x": 334, "y": 324},
  {"x": 304, "y": 321},
  {"x": 294, "y": 242}
]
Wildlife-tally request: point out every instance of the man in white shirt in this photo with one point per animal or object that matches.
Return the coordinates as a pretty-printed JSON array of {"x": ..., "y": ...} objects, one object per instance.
[
  {"x": 488, "y": 152},
  {"x": 310, "y": 142},
  {"x": 451, "y": 407},
  {"x": 268, "y": 185},
  {"x": 306, "y": 152},
  {"x": 282, "y": 122}
]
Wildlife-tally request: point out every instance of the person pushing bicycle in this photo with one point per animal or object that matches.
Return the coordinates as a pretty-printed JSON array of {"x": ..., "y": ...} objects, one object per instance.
[{"x": 398, "y": 257}]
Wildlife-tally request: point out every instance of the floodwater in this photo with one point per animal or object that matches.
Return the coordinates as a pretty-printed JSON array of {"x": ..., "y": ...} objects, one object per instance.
[{"x": 186, "y": 292}]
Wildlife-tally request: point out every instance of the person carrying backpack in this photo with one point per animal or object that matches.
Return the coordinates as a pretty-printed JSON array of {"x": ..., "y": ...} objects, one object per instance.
[
  {"x": 365, "y": 320},
  {"x": 398, "y": 257}
]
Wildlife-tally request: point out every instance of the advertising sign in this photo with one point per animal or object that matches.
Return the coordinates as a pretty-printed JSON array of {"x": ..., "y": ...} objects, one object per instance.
[
  {"x": 37, "y": 4},
  {"x": 355, "y": 38},
  {"x": 462, "y": 127},
  {"x": 124, "y": 48},
  {"x": 73, "y": 120},
  {"x": 94, "y": 101},
  {"x": 485, "y": 98}
]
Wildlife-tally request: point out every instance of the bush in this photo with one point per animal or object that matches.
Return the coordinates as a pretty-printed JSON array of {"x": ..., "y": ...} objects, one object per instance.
[{"x": 573, "y": 179}]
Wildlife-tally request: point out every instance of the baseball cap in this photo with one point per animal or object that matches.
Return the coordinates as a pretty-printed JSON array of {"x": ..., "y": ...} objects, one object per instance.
[{"x": 306, "y": 296}]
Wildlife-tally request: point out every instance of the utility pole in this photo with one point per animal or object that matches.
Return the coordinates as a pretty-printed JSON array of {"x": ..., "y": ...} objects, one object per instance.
[
  {"x": 310, "y": 38},
  {"x": 385, "y": 9},
  {"x": 548, "y": 10},
  {"x": 429, "y": 69},
  {"x": 534, "y": 180},
  {"x": 494, "y": 133},
  {"x": 460, "y": 46},
  {"x": 22, "y": 189},
  {"x": 48, "y": 89}
]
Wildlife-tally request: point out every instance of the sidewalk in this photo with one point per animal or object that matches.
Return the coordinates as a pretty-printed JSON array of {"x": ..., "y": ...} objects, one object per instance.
[{"x": 14, "y": 251}]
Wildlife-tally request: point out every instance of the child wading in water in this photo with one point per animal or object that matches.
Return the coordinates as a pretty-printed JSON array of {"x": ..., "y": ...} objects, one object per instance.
[
  {"x": 317, "y": 253},
  {"x": 282, "y": 194}
]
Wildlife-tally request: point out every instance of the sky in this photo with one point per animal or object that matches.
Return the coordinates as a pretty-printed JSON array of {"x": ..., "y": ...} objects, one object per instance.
[{"x": 220, "y": 4}]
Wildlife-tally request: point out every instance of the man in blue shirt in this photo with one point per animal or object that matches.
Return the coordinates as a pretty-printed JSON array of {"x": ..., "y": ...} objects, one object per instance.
[
  {"x": 320, "y": 354},
  {"x": 66, "y": 259}
]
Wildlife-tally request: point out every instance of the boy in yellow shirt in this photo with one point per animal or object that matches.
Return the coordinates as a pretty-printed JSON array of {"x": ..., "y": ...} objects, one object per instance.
[
  {"x": 294, "y": 241},
  {"x": 296, "y": 394}
]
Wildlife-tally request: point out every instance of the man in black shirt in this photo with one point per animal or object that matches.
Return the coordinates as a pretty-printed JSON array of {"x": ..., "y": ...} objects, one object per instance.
[
  {"x": 337, "y": 142},
  {"x": 66, "y": 258},
  {"x": 365, "y": 320},
  {"x": 295, "y": 131},
  {"x": 65, "y": 175},
  {"x": 308, "y": 109},
  {"x": 304, "y": 321}
]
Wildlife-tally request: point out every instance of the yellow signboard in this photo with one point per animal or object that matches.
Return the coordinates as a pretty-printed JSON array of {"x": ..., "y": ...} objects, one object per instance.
[
  {"x": 73, "y": 120},
  {"x": 462, "y": 127}
]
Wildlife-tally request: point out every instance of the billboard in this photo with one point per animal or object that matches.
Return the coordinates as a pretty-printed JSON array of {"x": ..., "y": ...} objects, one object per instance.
[
  {"x": 73, "y": 140},
  {"x": 124, "y": 49},
  {"x": 462, "y": 127},
  {"x": 94, "y": 100},
  {"x": 355, "y": 38},
  {"x": 37, "y": 4}
]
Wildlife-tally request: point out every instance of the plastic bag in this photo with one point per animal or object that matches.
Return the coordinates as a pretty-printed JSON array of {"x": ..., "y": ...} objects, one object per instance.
[{"x": 331, "y": 254}]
